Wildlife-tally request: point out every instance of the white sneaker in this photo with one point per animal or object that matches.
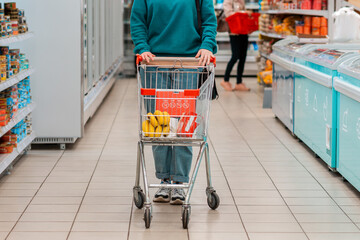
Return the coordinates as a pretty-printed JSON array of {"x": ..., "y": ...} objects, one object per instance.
[
  {"x": 163, "y": 194},
  {"x": 177, "y": 196}
]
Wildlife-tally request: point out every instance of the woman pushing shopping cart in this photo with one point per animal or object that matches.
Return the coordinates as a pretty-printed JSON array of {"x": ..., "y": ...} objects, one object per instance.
[{"x": 175, "y": 41}]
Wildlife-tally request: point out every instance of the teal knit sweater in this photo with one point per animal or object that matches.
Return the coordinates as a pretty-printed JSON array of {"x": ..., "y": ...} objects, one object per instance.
[{"x": 169, "y": 27}]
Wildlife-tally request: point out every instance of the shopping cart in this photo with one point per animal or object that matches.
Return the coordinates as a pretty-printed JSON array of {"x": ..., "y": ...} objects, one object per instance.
[{"x": 174, "y": 102}]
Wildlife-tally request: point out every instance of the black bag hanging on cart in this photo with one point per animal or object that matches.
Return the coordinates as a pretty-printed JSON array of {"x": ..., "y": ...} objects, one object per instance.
[{"x": 205, "y": 74}]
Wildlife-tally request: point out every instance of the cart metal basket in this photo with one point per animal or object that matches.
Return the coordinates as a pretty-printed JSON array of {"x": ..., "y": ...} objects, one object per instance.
[{"x": 174, "y": 102}]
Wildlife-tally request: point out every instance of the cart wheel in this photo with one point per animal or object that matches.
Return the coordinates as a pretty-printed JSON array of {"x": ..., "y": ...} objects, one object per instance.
[
  {"x": 140, "y": 202},
  {"x": 147, "y": 217},
  {"x": 213, "y": 201},
  {"x": 185, "y": 217}
]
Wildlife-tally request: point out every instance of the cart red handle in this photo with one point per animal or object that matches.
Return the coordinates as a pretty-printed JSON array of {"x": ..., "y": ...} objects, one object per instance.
[{"x": 139, "y": 59}]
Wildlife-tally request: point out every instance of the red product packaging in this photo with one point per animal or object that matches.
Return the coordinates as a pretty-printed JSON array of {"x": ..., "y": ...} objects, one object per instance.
[
  {"x": 243, "y": 23},
  {"x": 306, "y": 4},
  {"x": 9, "y": 138},
  {"x": 323, "y": 22},
  {"x": 3, "y": 117},
  {"x": 317, "y": 5},
  {"x": 7, "y": 149},
  {"x": 187, "y": 125},
  {"x": 176, "y": 103},
  {"x": 3, "y": 123}
]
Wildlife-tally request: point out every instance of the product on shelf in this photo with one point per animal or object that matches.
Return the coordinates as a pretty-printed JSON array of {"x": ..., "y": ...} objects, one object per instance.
[
  {"x": 20, "y": 130},
  {"x": 9, "y": 101},
  {"x": 316, "y": 26},
  {"x": 24, "y": 93},
  {"x": 293, "y": 4},
  {"x": 266, "y": 75},
  {"x": 11, "y": 62},
  {"x": 12, "y": 20},
  {"x": 10, "y": 140},
  {"x": 291, "y": 25},
  {"x": 4, "y": 119},
  {"x": 15, "y": 98},
  {"x": 265, "y": 47},
  {"x": 28, "y": 121}
]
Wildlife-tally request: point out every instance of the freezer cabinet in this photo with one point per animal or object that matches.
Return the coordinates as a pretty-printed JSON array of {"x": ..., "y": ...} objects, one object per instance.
[{"x": 347, "y": 86}]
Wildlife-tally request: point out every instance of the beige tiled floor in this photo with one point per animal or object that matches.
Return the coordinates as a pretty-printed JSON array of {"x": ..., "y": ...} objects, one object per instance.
[{"x": 271, "y": 186}]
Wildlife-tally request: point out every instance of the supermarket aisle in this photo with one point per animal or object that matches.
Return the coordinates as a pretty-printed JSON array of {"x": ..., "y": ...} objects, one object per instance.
[{"x": 270, "y": 186}]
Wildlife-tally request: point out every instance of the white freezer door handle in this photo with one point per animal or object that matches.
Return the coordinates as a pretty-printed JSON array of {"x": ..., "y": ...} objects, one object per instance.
[
  {"x": 347, "y": 89},
  {"x": 313, "y": 75}
]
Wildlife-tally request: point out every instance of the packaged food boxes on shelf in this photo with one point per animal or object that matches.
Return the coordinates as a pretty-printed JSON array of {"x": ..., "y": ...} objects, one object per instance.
[
  {"x": 24, "y": 93},
  {"x": 9, "y": 101},
  {"x": 291, "y": 25},
  {"x": 12, "y": 20},
  {"x": 316, "y": 26},
  {"x": 11, "y": 139},
  {"x": 8, "y": 142},
  {"x": 11, "y": 62},
  {"x": 15, "y": 98}
]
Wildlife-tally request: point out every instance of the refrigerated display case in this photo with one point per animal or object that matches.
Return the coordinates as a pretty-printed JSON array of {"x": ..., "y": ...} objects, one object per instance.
[
  {"x": 315, "y": 100},
  {"x": 283, "y": 57},
  {"x": 77, "y": 49},
  {"x": 347, "y": 86},
  {"x": 128, "y": 68}
]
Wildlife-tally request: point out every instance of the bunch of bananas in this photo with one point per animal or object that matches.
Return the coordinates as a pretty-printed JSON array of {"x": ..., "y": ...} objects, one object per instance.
[{"x": 157, "y": 124}]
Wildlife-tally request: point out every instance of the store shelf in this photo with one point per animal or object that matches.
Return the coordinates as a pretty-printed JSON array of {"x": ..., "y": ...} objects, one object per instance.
[
  {"x": 14, "y": 39},
  {"x": 20, "y": 115},
  {"x": 248, "y": 6},
  {"x": 252, "y": 6},
  {"x": 16, "y": 78},
  {"x": 322, "y": 13},
  {"x": 7, "y": 159},
  {"x": 272, "y": 35},
  {"x": 224, "y": 37}
]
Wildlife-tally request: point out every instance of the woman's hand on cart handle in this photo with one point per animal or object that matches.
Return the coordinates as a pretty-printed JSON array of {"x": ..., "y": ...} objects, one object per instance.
[
  {"x": 147, "y": 56},
  {"x": 205, "y": 57}
]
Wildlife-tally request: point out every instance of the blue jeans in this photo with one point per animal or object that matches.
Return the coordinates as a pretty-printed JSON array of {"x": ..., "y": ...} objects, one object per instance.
[{"x": 173, "y": 163}]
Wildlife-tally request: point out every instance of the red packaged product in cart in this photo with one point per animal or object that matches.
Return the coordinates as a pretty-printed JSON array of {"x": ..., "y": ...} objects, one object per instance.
[
  {"x": 187, "y": 125},
  {"x": 176, "y": 103}
]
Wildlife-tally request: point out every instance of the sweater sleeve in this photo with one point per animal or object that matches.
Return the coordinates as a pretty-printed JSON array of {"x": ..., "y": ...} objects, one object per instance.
[
  {"x": 209, "y": 25},
  {"x": 138, "y": 27},
  {"x": 228, "y": 7}
]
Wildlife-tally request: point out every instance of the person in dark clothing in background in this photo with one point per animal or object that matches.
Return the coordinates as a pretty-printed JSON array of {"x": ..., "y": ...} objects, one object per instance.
[{"x": 239, "y": 45}]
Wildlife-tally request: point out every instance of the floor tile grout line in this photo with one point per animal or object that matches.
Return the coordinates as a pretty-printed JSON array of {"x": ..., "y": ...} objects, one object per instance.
[
  {"x": 227, "y": 182},
  {"x": 247, "y": 143},
  {"x": 298, "y": 160},
  {"x": 27, "y": 206},
  {"x": 97, "y": 162},
  {"x": 132, "y": 207}
]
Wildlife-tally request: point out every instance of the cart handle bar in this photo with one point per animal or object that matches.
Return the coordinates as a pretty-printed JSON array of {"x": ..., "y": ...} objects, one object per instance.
[
  {"x": 174, "y": 60},
  {"x": 187, "y": 92}
]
